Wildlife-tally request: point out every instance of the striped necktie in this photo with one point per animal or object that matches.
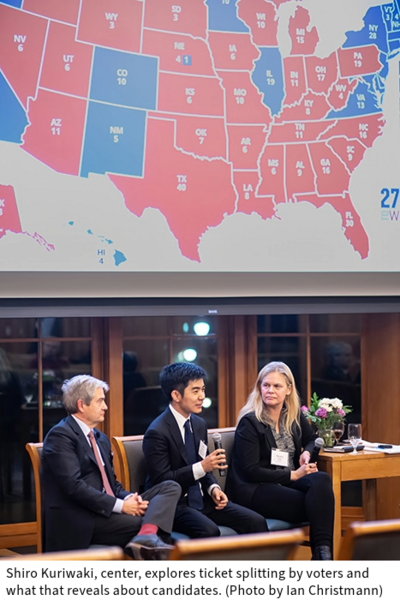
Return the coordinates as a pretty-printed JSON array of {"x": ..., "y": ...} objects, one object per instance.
[{"x": 95, "y": 447}]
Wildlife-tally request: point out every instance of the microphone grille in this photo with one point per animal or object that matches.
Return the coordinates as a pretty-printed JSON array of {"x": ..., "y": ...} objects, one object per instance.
[
  {"x": 319, "y": 442},
  {"x": 216, "y": 437}
]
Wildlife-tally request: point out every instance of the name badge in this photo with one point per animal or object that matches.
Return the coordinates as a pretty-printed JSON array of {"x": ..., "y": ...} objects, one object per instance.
[
  {"x": 280, "y": 458},
  {"x": 202, "y": 449}
]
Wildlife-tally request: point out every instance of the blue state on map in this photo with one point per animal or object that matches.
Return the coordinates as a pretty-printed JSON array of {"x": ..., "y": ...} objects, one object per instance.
[
  {"x": 13, "y": 119},
  {"x": 269, "y": 78},
  {"x": 223, "y": 17},
  {"x": 124, "y": 78},
  {"x": 114, "y": 140}
]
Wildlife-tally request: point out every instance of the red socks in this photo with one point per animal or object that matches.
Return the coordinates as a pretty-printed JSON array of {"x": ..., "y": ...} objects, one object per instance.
[{"x": 148, "y": 529}]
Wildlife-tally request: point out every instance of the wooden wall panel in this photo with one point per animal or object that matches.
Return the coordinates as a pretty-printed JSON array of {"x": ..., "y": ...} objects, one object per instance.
[
  {"x": 381, "y": 397},
  {"x": 242, "y": 343},
  {"x": 114, "y": 369}
]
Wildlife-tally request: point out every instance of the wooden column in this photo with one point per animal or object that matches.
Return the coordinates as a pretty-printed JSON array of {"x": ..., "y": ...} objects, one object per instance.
[
  {"x": 114, "y": 369},
  {"x": 381, "y": 397},
  {"x": 241, "y": 364}
]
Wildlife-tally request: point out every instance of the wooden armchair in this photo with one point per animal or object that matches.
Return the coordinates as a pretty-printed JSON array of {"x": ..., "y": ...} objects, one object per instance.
[
  {"x": 35, "y": 453},
  {"x": 257, "y": 546},
  {"x": 371, "y": 540},
  {"x": 106, "y": 553}
]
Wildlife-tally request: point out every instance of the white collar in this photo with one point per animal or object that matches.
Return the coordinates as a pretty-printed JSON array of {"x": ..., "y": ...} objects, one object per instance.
[
  {"x": 85, "y": 428},
  {"x": 180, "y": 419}
]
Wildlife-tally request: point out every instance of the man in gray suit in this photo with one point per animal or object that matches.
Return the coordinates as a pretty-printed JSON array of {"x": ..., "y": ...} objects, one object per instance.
[{"x": 83, "y": 503}]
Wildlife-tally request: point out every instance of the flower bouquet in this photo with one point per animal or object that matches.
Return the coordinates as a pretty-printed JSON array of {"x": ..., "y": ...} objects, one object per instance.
[{"x": 325, "y": 413}]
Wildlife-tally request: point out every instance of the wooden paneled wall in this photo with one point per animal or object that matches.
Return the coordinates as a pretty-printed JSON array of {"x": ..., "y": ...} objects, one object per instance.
[{"x": 381, "y": 397}]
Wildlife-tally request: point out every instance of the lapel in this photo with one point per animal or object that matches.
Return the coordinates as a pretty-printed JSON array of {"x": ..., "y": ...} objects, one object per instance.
[
  {"x": 269, "y": 436},
  {"x": 83, "y": 442},
  {"x": 86, "y": 447},
  {"x": 175, "y": 434},
  {"x": 197, "y": 427},
  {"x": 267, "y": 433},
  {"x": 104, "y": 451}
]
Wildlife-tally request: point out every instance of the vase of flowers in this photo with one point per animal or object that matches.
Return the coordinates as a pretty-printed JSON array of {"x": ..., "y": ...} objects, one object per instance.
[{"x": 325, "y": 413}]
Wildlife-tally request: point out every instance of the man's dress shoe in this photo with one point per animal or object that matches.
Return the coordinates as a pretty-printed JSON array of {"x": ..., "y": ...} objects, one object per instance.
[
  {"x": 322, "y": 553},
  {"x": 148, "y": 547}
]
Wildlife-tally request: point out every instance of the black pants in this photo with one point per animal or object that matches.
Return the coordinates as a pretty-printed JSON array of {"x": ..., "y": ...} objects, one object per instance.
[
  {"x": 119, "y": 528},
  {"x": 307, "y": 499},
  {"x": 204, "y": 523}
]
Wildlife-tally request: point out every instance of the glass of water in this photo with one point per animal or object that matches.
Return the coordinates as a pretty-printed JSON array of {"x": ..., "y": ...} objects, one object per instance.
[{"x": 354, "y": 432}]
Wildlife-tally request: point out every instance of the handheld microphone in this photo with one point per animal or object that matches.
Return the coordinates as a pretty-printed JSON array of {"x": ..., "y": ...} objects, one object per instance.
[
  {"x": 318, "y": 444},
  {"x": 218, "y": 446}
]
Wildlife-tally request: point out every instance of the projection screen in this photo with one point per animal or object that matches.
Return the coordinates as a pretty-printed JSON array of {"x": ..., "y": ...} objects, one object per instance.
[{"x": 199, "y": 138}]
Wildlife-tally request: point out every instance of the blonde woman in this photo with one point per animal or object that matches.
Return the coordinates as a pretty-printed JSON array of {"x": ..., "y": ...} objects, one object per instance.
[{"x": 271, "y": 471}]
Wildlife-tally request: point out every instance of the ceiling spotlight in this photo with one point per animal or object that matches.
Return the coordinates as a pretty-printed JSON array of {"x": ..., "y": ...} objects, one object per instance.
[
  {"x": 190, "y": 354},
  {"x": 201, "y": 328}
]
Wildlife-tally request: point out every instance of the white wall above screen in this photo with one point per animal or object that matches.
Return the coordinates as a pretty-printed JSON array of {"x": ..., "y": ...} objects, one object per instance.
[{"x": 263, "y": 140}]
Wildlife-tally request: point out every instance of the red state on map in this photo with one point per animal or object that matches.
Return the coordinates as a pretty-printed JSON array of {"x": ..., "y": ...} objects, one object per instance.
[
  {"x": 21, "y": 48},
  {"x": 178, "y": 53},
  {"x": 55, "y": 135},
  {"x": 295, "y": 79},
  {"x": 245, "y": 145},
  {"x": 351, "y": 151},
  {"x": 312, "y": 107},
  {"x": 190, "y": 94},
  {"x": 243, "y": 100},
  {"x": 67, "y": 63},
  {"x": 196, "y": 194},
  {"x": 272, "y": 168},
  {"x": 113, "y": 23},
  {"x": 321, "y": 73},
  {"x": 353, "y": 228},
  {"x": 304, "y": 40},
  {"x": 359, "y": 61},
  {"x": 365, "y": 129},
  {"x": 340, "y": 93},
  {"x": 246, "y": 183},
  {"x": 59, "y": 10},
  {"x": 261, "y": 17},
  {"x": 233, "y": 51},
  {"x": 332, "y": 176},
  {"x": 307, "y": 131},
  {"x": 9, "y": 215},
  {"x": 300, "y": 176},
  {"x": 202, "y": 136},
  {"x": 185, "y": 16}
]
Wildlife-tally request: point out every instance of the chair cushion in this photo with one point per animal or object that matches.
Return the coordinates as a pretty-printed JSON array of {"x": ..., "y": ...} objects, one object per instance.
[
  {"x": 176, "y": 536},
  {"x": 226, "y": 530},
  {"x": 278, "y": 525}
]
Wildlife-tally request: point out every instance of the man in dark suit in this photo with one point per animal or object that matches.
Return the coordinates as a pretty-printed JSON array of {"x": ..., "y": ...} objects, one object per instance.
[
  {"x": 175, "y": 447},
  {"x": 83, "y": 503}
]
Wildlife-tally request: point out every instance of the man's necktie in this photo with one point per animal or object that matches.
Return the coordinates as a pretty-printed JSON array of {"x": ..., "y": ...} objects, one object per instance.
[
  {"x": 95, "y": 447},
  {"x": 195, "y": 498}
]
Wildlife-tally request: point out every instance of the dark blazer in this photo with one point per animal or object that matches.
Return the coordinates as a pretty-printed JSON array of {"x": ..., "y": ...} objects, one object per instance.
[
  {"x": 72, "y": 486},
  {"x": 251, "y": 457},
  {"x": 165, "y": 452}
]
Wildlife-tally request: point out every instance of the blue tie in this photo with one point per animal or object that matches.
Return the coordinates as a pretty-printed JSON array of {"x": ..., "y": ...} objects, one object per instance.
[{"x": 195, "y": 498}]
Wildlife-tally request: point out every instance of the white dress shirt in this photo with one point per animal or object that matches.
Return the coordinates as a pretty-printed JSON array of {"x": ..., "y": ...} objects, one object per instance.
[
  {"x": 86, "y": 430},
  {"x": 198, "y": 471}
]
